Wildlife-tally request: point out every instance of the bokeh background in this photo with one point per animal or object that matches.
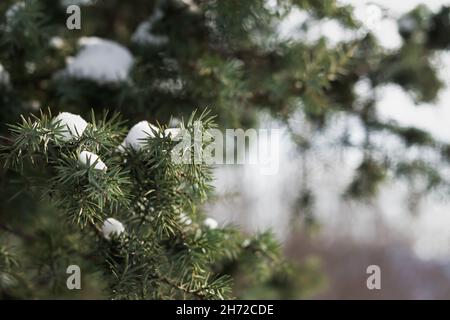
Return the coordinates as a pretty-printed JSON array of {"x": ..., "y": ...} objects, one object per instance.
[{"x": 404, "y": 231}]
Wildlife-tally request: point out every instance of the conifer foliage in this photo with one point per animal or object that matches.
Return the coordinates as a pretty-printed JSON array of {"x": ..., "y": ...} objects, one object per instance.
[{"x": 134, "y": 212}]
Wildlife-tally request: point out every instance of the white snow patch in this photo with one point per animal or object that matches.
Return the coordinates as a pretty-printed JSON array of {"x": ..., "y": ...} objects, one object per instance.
[
  {"x": 211, "y": 223},
  {"x": 74, "y": 124},
  {"x": 137, "y": 135},
  {"x": 92, "y": 159},
  {"x": 100, "y": 60},
  {"x": 112, "y": 227}
]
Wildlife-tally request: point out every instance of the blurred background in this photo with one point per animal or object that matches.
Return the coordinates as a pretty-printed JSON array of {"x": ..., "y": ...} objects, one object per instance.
[
  {"x": 358, "y": 89},
  {"x": 403, "y": 227}
]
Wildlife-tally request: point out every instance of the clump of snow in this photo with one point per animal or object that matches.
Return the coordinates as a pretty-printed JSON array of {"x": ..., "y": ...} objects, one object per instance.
[
  {"x": 144, "y": 35},
  {"x": 74, "y": 125},
  {"x": 211, "y": 223},
  {"x": 376, "y": 20},
  {"x": 56, "y": 42},
  {"x": 369, "y": 14},
  {"x": 137, "y": 135},
  {"x": 100, "y": 60},
  {"x": 290, "y": 26},
  {"x": 112, "y": 227},
  {"x": 363, "y": 89},
  {"x": 91, "y": 159}
]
